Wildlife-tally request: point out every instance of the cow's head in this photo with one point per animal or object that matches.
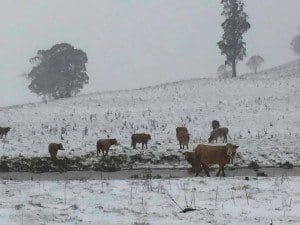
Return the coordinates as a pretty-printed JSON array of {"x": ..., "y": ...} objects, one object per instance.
[
  {"x": 113, "y": 141},
  {"x": 60, "y": 146},
  {"x": 231, "y": 149},
  {"x": 7, "y": 129},
  {"x": 149, "y": 136},
  {"x": 189, "y": 156}
]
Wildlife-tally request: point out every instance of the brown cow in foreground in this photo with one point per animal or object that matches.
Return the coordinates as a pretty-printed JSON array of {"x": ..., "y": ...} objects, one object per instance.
[
  {"x": 53, "y": 149},
  {"x": 190, "y": 158},
  {"x": 104, "y": 145},
  {"x": 206, "y": 155},
  {"x": 140, "y": 138},
  {"x": 4, "y": 131},
  {"x": 218, "y": 132},
  {"x": 183, "y": 137}
]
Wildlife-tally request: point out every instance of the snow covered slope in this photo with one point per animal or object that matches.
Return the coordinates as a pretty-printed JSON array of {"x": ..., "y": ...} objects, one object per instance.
[
  {"x": 233, "y": 201},
  {"x": 261, "y": 112}
]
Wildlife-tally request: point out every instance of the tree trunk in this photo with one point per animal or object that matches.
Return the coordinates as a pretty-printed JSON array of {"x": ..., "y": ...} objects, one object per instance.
[{"x": 233, "y": 68}]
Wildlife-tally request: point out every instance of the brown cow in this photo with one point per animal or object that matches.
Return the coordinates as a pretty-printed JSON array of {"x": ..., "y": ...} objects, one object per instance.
[
  {"x": 140, "y": 138},
  {"x": 218, "y": 132},
  {"x": 206, "y": 155},
  {"x": 190, "y": 158},
  {"x": 104, "y": 145},
  {"x": 4, "y": 131},
  {"x": 215, "y": 124},
  {"x": 53, "y": 149},
  {"x": 183, "y": 137}
]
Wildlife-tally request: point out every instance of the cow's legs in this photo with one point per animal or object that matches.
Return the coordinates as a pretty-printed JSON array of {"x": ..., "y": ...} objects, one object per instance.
[
  {"x": 225, "y": 138},
  {"x": 187, "y": 146},
  {"x": 223, "y": 173},
  {"x": 221, "y": 169},
  {"x": 205, "y": 167},
  {"x": 197, "y": 169},
  {"x": 146, "y": 145},
  {"x": 142, "y": 145},
  {"x": 218, "y": 173}
]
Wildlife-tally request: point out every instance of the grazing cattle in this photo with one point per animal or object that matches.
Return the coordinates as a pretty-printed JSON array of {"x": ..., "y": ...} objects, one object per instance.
[
  {"x": 206, "y": 155},
  {"x": 190, "y": 158},
  {"x": 53, "y": 149},
  {"x": 104, "y": 145},
  {"x": 215, "y": 124},
  {"x": 183, "y": 137},
  {"x": 218, "y": 132},
  {"x": 4, "y": 131},
  {"x": 140, "y": 138}
]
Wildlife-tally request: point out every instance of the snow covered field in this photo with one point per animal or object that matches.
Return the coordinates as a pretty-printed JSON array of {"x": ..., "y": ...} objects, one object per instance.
[
  {"x": 217, "y": 200},
  {"x": 261, "y": 112}
]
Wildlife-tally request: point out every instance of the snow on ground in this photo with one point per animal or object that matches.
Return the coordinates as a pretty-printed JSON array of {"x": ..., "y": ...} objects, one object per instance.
[
  {"x": 217, "y": 200},
  {"x": 261, "y": 112}
]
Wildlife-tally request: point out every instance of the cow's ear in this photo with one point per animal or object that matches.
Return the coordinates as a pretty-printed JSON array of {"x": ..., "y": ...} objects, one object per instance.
[{"x": 236, "y": 146}]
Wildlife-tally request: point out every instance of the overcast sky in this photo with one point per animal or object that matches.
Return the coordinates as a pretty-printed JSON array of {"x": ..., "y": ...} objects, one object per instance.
[{"x": 136, "y": 43}]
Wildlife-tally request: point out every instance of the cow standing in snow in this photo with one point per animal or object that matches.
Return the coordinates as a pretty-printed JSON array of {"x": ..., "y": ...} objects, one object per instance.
[
  {"x": 218, "y": 132},
  {"x": 53, "y": 149},
  {"x": 206, "y": 155},
  {"x": 4, "y": 131},
  {"x": 183, "y": 137}
]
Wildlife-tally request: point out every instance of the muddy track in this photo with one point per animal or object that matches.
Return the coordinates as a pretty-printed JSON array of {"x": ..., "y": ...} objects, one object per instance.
[
  {"x": 121, "y": 166},
  {"x": 146, "y": 173},
  {"x": 86, "y": 162}
]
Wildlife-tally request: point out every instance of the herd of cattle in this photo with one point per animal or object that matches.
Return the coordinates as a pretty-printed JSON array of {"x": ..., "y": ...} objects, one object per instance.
[{"x": 201, "y": 158}]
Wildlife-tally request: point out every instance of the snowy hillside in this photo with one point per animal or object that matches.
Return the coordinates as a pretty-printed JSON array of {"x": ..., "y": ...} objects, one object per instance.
[{"x": 261, "y": 112}]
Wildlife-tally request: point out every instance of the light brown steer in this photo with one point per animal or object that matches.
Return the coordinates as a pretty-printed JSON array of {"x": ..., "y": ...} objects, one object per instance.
[
  {"x": 183, "y": 137},
  {"x": 104, "y": 145},
  {"x": 206, "y": 155},
  {"x": 140, "y": 138},
  {"x": 218, "y": 132},
  {"x": 53, "y": 149},
  {"x": 190, "y": 158}
]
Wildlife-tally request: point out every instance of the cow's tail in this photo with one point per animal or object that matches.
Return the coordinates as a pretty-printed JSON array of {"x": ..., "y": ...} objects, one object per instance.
[
  {"x": 197, "y": 164},
  {"x": 229, "y": 136}
]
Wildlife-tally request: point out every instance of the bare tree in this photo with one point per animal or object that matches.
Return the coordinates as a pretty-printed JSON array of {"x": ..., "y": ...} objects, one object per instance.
[
  {"x": 254, "y": 62},
  {"x": 223, "y": 72},
  {"x": 296, "y": 44},
  {"x": 235, "y": 26}
]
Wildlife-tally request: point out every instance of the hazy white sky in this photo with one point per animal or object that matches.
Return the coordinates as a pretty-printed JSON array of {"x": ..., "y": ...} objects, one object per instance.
[{"x": 135, "y": 43}]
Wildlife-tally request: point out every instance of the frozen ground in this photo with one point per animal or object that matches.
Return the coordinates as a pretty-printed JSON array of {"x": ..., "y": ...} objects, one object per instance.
[
  {"x": 261, "y": 112},
  {"x": 218, "y": 201}
]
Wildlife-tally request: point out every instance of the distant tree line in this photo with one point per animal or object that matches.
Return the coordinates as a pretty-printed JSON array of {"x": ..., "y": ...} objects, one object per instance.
[{"x": 60, "y": 72}]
